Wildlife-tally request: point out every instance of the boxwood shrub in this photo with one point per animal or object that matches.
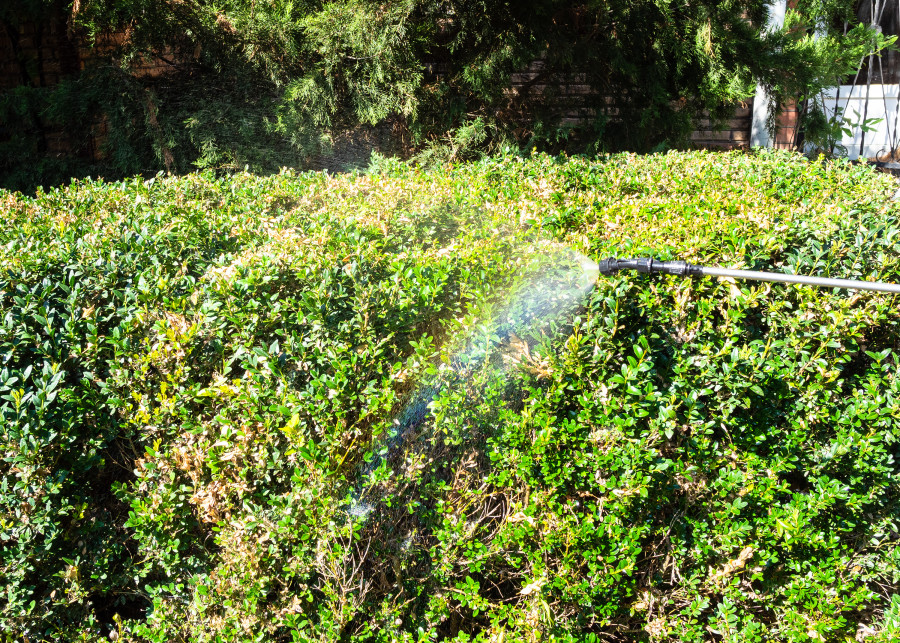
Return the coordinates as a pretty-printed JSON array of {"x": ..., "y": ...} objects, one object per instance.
[{"x": 388, "y": 406}]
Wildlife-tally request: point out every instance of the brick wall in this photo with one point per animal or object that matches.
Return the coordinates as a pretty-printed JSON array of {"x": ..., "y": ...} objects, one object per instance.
[
  {"x": 42, "y": 54},
  {"x": 570, "y": 94},
  {"x": 38, "y": 54},
  {"x": 786, "y": 135},
  {"x": 735, "y": 134}
]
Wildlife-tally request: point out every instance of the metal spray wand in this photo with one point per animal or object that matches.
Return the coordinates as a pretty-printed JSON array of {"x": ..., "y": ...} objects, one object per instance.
[{"x": 685, "y": 269}]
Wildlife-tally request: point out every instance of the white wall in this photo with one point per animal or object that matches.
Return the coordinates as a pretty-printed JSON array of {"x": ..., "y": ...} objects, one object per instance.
[
  {"x": 759, "y": 136},
  {"x": 882, "y": 104},
  {"x": 878, "y": 143}
]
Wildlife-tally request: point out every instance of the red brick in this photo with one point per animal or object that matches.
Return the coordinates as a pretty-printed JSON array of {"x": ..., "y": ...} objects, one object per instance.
[{"x": 711, "y": 136}]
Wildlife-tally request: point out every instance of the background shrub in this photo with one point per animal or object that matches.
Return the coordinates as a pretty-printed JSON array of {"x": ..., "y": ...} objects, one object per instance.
[{"x": 269, "y": 84}]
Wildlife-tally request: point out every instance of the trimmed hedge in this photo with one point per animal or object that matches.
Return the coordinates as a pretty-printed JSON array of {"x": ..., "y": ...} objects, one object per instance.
[{"x": 385, "y": 407}]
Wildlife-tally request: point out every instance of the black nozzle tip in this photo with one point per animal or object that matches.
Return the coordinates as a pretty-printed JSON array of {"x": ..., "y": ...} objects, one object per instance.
[{"x": 608, "y": 266}]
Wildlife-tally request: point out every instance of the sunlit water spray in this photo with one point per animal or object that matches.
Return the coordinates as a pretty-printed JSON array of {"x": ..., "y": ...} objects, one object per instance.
[{"x": 562, "y": 283}]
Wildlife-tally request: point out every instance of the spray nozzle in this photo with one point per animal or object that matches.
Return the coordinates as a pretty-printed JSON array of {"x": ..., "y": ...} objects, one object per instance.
[{"x": 649, "y": 265}]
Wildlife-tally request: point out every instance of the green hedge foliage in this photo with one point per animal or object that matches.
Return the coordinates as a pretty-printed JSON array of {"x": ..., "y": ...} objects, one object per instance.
[{"x": 385, "y": 406}]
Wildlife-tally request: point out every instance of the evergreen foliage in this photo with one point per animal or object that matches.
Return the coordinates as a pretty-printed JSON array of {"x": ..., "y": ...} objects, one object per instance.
[{"x": 266, "y": 84}]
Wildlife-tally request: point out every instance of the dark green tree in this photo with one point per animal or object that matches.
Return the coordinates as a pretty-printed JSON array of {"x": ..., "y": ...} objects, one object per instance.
[{"x": 268, "y": 84}]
